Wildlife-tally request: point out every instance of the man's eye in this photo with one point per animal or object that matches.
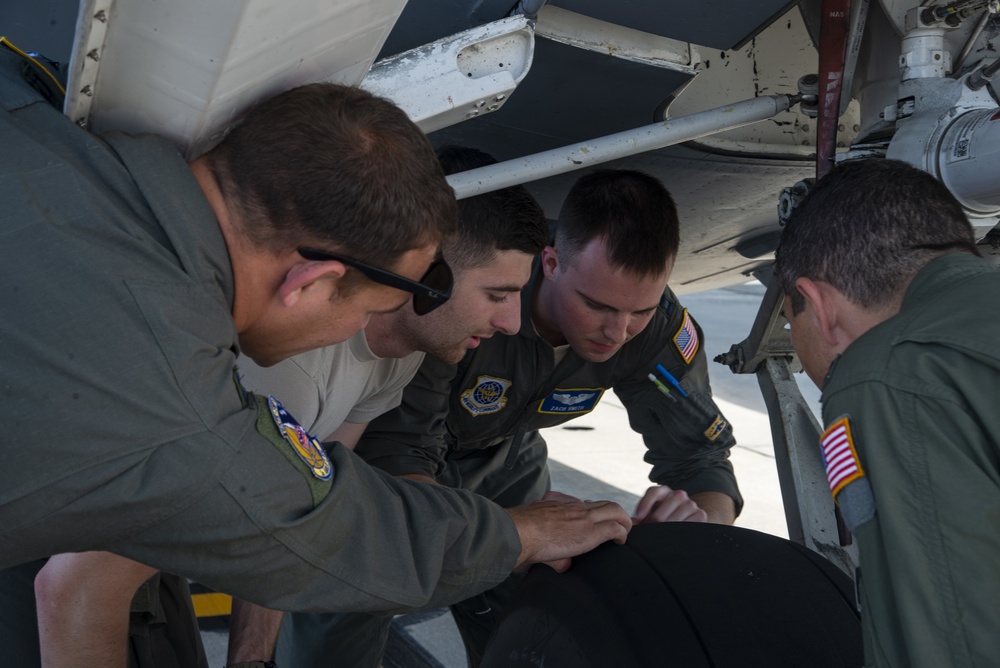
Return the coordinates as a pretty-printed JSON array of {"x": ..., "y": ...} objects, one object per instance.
[{"x": 498, "y": 299}]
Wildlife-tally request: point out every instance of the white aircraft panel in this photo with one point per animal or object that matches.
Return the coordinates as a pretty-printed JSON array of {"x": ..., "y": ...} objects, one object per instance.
[{"x": 186, "y": 68}]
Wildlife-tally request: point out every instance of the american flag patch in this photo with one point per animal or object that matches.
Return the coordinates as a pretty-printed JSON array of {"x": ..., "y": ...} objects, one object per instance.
[
  {"x": 840, "y": 456},
  {"x": 686, "y": 338}
]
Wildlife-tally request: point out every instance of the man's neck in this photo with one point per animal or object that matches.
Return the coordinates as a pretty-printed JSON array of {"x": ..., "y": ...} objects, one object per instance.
[
  {"x": 387, "y": 335},
  {"x": 255, "y": 274},
  {"x": 541, "y": 307}
]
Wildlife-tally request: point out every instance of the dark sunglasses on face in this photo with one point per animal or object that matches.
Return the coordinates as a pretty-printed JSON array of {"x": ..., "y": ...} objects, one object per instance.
[{"x": 433, "y": 289}]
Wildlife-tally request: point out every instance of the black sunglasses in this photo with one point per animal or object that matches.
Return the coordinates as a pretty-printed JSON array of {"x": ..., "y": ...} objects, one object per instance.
[{"x": 433, "y": 289}]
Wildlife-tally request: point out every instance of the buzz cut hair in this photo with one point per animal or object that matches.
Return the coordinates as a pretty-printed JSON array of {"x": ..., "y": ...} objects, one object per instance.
[{"x": 631, "y": 211}]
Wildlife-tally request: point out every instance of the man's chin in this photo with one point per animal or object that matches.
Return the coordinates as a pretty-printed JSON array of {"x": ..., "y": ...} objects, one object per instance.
[
  {"x": 451, "y": 355},
  {"x": 590, "y": 354},
  {"x": 455, "y": 354},
  {"x": 262, "y": 358}
]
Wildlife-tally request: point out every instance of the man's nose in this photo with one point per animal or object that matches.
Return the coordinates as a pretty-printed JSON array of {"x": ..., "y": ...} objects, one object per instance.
[
  {"x": 508, "y": 319},
  {"x": 616, "y": 327}
]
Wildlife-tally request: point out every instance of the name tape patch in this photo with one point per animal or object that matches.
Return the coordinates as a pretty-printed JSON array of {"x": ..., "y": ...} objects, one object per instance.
[{"x": 571, "y": 401}]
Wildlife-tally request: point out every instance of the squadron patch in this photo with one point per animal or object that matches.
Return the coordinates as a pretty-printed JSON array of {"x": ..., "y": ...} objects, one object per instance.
[
  {"x": 573, "y": 401},
  {"x": 717, "y": 427},
  {"x": 307, "y": 447},
  {"x": 487, "y": 396},
  {"x": 686, "y": 338},
  {"x": 840, "y": 456}
]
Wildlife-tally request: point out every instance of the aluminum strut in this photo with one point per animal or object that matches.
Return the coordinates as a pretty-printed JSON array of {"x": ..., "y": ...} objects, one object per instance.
[{"x": 618, "y": 145}]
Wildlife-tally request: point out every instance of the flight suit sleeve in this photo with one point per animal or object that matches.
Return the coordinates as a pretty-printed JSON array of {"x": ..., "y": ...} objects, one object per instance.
[
  {"x": 688, "y": 439},
  {"x": 273, "y": 534},
  {"x": 929, "y": 586},
  {"x": 411, "y": 438}
]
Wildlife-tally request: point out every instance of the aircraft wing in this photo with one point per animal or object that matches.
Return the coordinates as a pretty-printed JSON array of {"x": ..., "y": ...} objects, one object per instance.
[{"x": 519, "y": 81}]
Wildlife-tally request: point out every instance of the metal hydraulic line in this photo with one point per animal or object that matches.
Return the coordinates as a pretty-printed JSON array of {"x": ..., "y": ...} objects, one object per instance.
[{"x": 618, "y": 145}]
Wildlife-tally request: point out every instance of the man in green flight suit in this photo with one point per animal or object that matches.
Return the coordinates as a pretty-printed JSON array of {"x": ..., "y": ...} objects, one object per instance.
[
  {"x": 130, "y": 282},
  {"x": 893, "y": 315}
]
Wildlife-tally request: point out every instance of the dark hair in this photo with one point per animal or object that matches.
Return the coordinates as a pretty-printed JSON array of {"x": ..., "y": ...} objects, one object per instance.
[
  {"x": 506, "y": 219},
  {"x": 334, "y": 166},
  {"x": 630, "y": 210},
  {"x": 867, "y": 228}
]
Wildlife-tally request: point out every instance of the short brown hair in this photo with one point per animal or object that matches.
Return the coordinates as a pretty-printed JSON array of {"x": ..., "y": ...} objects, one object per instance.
[
  {"x": 631, "y": 210},
  {"x": 867, "y": 228},
  {"x": 501, "y": 220},
  {"x": 330, "y": 165}
]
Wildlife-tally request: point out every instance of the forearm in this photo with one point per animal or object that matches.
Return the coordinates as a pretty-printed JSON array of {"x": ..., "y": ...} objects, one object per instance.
[
  {"x": 410, "y": 545},
  {"x": 721, "y": 508},
  {"x": 83, "y": 603},
  {"x": 253, "y": 632}
]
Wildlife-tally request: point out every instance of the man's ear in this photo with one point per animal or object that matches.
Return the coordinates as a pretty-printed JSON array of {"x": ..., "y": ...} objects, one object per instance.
[
  {"x": 823, "y": 303},
  {"x": 305, "y": 275},
  {"x": 550, "y": 261}
]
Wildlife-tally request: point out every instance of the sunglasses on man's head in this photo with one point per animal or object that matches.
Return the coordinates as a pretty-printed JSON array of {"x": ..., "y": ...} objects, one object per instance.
[{"x": 433, "y": 289}]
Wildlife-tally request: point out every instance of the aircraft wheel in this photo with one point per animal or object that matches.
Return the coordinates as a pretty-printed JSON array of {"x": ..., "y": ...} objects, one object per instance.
[{"x": 683, "y": 594}]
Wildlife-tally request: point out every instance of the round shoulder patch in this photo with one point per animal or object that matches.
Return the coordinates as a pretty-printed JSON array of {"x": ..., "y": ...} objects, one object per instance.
[
  {"x": 487, "y": 396},
  {"x": 307, "y": 447}
]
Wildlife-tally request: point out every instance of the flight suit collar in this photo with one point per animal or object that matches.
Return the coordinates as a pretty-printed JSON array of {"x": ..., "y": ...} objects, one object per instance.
[
  {"x": 180, "y": 207},
  {"x": 528, "y": 299},
  {"x": 941, "y": 274}
]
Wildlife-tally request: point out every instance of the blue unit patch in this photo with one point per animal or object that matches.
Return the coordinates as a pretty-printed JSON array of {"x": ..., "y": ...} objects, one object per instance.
[
  {"x": 307, "y": 447},
  {"x": 575, "y": 400},
  {"x": 718, "y": 425},
  {"x": 487, "y": 396}
]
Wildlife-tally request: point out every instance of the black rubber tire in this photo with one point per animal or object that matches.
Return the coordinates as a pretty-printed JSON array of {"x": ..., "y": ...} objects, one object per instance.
[{"x": 683, "y": 594}]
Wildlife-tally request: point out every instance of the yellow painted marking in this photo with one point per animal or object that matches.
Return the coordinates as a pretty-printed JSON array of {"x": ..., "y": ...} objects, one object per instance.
[{"x": 212, "y": 605}]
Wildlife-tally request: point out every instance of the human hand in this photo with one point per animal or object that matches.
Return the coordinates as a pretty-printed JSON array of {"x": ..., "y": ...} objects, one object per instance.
[
  {"x": 663, "y": 504},
  {"x": 560, "y": 527}
]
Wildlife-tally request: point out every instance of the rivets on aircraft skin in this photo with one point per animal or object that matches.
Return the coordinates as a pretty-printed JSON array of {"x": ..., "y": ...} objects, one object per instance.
[
  {"x": 500, "y": 97},
  {"x": 472, "y": 114},
  {"x": 493, "y": 107}
]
